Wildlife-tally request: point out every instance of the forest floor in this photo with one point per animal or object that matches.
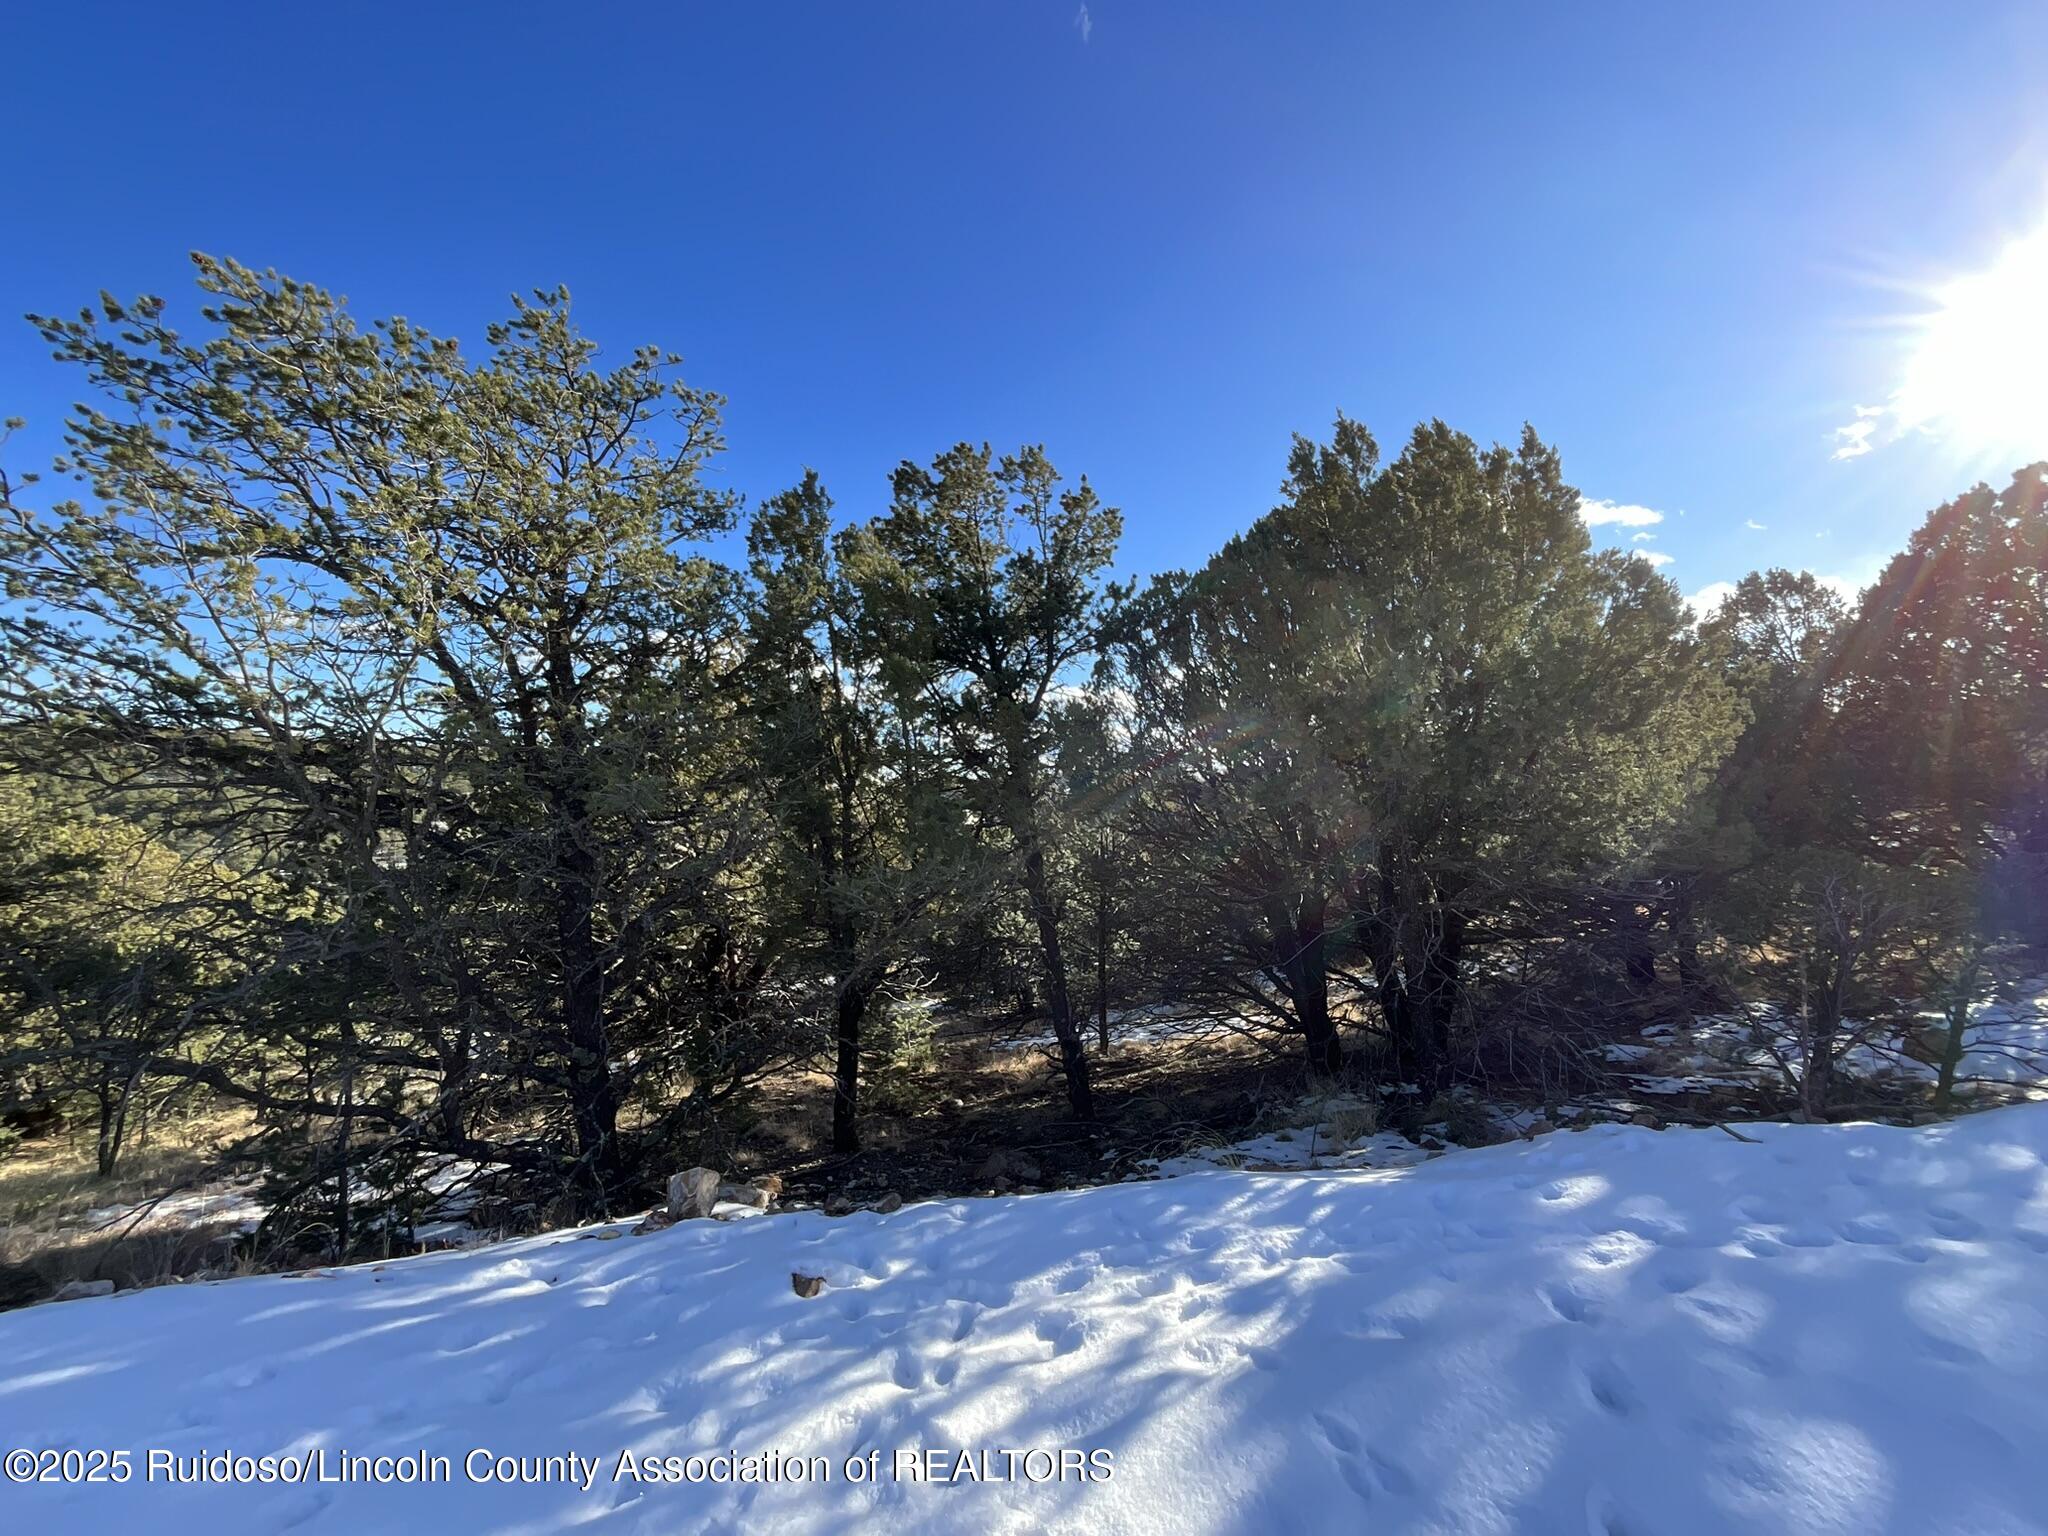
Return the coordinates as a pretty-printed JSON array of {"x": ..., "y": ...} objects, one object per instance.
[
  {"x": 980, "y": 1113},
  {"x": 1820, "y": 1329}
]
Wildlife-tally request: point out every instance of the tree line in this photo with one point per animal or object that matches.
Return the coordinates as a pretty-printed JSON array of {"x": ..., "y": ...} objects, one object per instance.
[{"x": 405, "y": 744}]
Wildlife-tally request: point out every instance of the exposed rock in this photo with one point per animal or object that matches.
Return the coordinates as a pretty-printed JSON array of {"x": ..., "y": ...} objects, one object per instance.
[
  {"x": 1025, "y": 1170},
  {"x": 805, "y": 1285},
  {"x": 1430, "y": 1144},
  {"x": 654, "y": 1221},
  {"x": 1002, "y": 1184},
  {"x": 693, "y": 1192},
  {"x": 993, "y": 1167},
  {"x": 1646, "y": 1120},
  {"x": 1540, "y": 1127},
  {"x": 744, "y": 1194},
  {"x": 78, "y": 1290},
  {"x": 839, "y": 1205},
  {"x": 887, "y": 1204}
]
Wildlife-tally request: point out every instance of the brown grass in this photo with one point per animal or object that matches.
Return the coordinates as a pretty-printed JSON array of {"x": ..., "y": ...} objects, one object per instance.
[{"x": 50, "y": 1188}]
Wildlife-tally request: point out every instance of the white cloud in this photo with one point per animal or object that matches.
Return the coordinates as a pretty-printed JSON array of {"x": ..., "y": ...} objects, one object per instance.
[
  {"x": 1641, "y": 538},
  {"x": 1847, "y": 588},
  {"x": 1703, "y": 602},
  {"x": 1654, "y": 556},
  {"x": 1708, "y": 598},
  {"x": 1084, "y": 23},
  {"x": 1597, "y": 514},
  {"x": 1752, "y": 525}
]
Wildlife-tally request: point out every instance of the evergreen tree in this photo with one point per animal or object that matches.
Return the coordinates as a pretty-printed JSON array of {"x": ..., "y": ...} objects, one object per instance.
[
  {"x": 985, "y": 580},
  {"x": 428, "y": 633}
]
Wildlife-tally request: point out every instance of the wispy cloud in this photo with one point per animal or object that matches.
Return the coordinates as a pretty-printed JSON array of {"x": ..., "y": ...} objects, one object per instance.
[
  {"x": 1641, "y": 538},
  {"x": 1752, "y": 525},
  {"x": 1854, "y": 440},
  {"x": 1084, "y": 23},
  {"x": 1598, "y": 514},
  {"x": 1970, "y": 373}
]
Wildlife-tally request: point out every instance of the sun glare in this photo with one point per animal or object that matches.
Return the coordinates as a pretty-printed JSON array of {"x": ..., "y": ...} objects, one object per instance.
[{"x": 1977, "y": 372}]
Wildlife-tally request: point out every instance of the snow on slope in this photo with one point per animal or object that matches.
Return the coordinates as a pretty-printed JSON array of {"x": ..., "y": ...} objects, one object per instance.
[{"x": 1838, "y": 1330}]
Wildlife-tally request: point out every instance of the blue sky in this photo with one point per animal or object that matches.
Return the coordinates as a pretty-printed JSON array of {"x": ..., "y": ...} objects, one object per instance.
[{"x": 1156, "y": 237}]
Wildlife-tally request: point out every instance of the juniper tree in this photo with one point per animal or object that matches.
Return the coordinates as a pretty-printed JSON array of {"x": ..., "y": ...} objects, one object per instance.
[
  {"x": 1507, "y": 709},
  {"x": 985, "y": 580},
  {"x": 866, "y": 842}
]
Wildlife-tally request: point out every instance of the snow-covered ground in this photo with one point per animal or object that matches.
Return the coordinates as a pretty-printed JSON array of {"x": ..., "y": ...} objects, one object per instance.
[
  {"x": 446, "y": 1190},
  {"x": 1840, "y": 1329},
  {"x": 2005, "y": 1045}
]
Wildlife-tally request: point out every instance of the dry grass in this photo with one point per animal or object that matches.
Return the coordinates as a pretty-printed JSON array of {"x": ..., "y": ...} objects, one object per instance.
[{"x": 59, "y": 1221}]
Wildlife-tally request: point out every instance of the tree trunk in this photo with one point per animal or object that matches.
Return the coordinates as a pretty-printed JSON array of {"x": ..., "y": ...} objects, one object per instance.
[
  {"x": 1432, "y": 948},
  {"x": 1958, "y": 1030},
  {"x": 593, "y": 1104},
  {"x": 1303, "y": 949},
  {"x": 850, "y": 1010},
  {"x": 343, "y": 1206},
  {"x": 1377, "y": 937},
  {"x": 1821, "y": 1023},
  {"x": 1102, "y": 976},
  {"x": 1685, "y": 939},
  {"x": 113, "y": 1112},
  {"x": 1073, "y": 1059},
  {"x": 1639, "y": 955}
]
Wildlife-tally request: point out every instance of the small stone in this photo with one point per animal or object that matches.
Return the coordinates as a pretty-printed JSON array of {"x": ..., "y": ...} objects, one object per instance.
[
  {"x": 889, "y": 1203},
  {"x": 838, "y": 1205},
  {"x": 654, "y": 1221},
  {"x": 78, "y": 1290},
  {"x": 993, "y": 1167},
  {"x": 1540, "y": 1127},
  {"x": 805, "y": 1285},
  {"x": 1025, "y": 1170},
  {"x": 1430, "y": 1144},
  {"x": 1646, "y": 1120},
  {"x": 744, "y": 1194},
  {"x": 1002, "y": 1184}
]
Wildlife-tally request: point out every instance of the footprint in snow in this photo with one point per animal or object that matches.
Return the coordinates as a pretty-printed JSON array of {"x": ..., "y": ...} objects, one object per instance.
[
  {"x": 1064, "y": 1336},
  {"x": 1681, "y": 1278},
  {"x": 1571, "y": 1305},
  {"x": 297, "y": 1508},
  {"x": 908, "y": 1371},
  {"x": 1365, "y": 1472},
  {"x": 1604, "y": 1516},
  {"x": 1810, "y": 1237},
  {"x": 1610, "y": 1390},
  {"x": 1951, "y": 1223}
]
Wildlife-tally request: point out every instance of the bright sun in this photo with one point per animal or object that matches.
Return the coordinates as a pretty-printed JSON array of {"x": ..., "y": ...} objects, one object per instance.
[{"x": 1977, "y": 371}]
